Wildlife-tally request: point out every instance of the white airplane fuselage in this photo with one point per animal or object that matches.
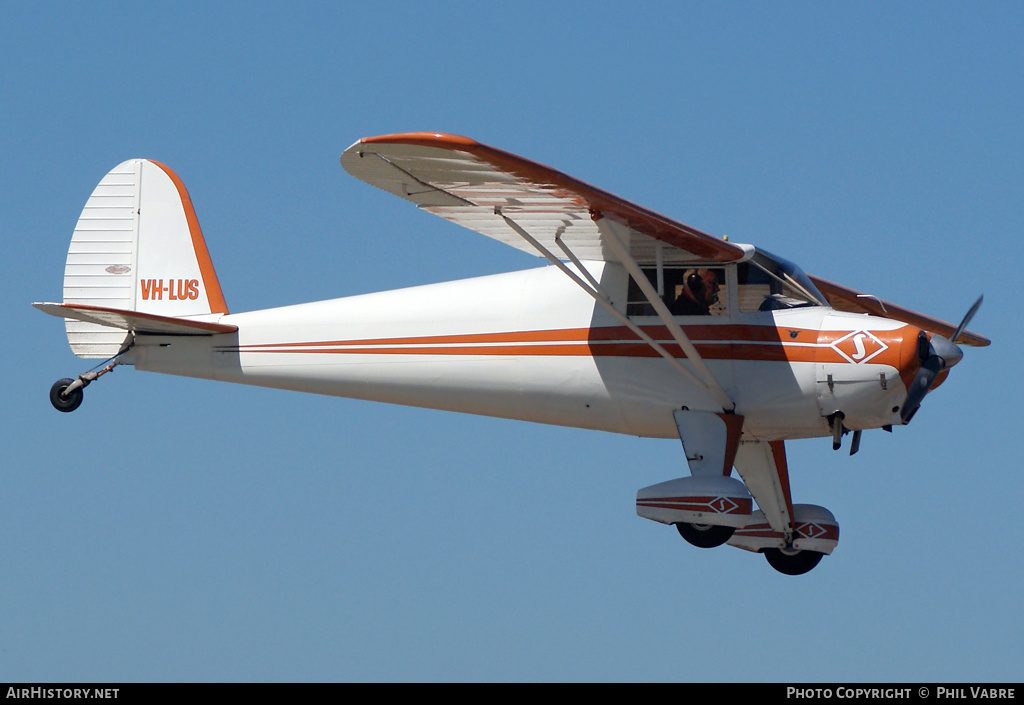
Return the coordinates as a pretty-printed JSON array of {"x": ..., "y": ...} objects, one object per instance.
[{"x": 533, "y": 346}]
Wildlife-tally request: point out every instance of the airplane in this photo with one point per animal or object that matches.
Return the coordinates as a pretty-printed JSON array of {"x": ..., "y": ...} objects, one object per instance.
[{"x": 640, "y": 325}]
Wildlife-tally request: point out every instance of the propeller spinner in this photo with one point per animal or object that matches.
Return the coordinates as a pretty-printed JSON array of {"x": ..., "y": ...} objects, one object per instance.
[{"x": 936, "y": 355}]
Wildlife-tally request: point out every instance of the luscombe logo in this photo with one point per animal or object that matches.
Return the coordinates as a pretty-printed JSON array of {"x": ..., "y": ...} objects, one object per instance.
[{"x": 859, "y": 346}]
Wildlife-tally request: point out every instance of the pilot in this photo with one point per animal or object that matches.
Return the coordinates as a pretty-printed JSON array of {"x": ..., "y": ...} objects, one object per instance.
[{"x": 699, "y": 293}]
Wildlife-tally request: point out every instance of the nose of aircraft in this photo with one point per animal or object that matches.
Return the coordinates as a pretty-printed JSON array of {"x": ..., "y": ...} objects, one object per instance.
[
  {"x": 936, "y": 355},
  {"x": 939, "y": 354}
]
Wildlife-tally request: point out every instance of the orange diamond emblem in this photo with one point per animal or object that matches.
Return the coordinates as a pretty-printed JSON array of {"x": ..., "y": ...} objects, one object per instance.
[
  {"x": 723, "y": 505},
  {"x": 859, "y": 346}
]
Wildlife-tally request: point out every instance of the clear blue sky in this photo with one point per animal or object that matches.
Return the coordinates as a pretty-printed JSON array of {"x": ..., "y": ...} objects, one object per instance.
[{"x": 176, "y": 529}]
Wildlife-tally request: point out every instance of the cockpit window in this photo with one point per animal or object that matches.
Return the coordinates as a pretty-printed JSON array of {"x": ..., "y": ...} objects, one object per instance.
[
  {"x": 769, "y": 283},
  {"x": 687, "y": 291}
]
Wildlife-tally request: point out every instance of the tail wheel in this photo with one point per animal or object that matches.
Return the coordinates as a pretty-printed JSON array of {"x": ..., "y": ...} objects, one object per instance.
[
  {"x": 791, "y": 562},
  {"x": 705, "y": 535},
  {"x": 65, "y": 403}
]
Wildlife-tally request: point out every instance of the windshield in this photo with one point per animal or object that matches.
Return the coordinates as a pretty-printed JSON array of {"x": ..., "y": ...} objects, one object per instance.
[{"x": 768, "y": 283}]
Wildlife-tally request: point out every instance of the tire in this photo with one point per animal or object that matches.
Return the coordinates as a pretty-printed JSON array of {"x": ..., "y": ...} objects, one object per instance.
[
  {"x": 792, "y": 562},
  {"x": 65, "y": 403},
  {"x": 705, "y": 535}
]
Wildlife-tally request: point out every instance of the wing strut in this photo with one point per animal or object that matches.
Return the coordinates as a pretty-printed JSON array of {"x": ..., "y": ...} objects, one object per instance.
[
  {"x": 579, "y": 265},
  {"x": 594, "y": 289},
  {"x": 616, "y": 236}
]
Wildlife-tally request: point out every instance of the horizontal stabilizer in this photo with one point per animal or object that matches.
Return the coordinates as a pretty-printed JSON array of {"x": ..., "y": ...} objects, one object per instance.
[{"x": 134, "y": 321}]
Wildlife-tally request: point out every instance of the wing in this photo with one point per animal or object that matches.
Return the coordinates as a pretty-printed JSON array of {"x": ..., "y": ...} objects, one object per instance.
[
  {"x": 477, "y": 186},
  {"x": 843, "y": 298},
  {"x": 474, "y": 185}
]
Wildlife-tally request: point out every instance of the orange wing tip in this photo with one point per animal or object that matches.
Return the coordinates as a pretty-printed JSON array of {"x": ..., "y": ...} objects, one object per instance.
[{"x": 424, "y": 139}]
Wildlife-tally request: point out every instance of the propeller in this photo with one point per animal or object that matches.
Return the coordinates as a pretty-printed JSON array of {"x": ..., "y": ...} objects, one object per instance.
[
  {"x": 936, "y": 355},
  {"x": 967, "y": 319}
]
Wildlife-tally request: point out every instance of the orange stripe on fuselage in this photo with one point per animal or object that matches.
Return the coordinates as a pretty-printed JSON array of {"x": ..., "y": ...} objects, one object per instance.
[
  {"x": 724, "y": 342},
  {"x": 717, "y": 334}
]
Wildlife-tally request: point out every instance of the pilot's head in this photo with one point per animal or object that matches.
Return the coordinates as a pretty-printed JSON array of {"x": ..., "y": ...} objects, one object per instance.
[{"x": 702, "y": 285}]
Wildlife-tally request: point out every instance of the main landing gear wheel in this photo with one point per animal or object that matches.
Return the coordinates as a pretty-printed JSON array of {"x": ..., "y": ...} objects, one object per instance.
[
  {"x": 65, "y": 403},
  {"x": 705, "y": 535},
  {"x": 791, "y": 562}
]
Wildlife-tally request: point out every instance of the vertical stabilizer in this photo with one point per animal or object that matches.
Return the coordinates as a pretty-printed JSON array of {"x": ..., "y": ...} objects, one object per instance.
[{"x": 137, "y": 247}]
